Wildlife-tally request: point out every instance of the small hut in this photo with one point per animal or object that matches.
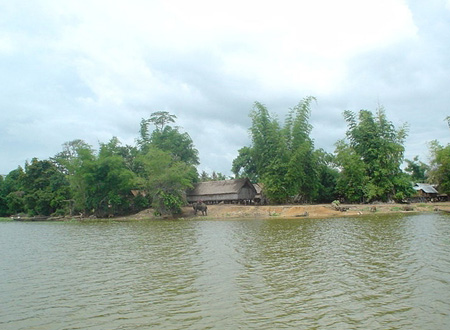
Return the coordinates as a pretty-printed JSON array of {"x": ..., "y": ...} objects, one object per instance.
[
  {"x": 426, "y": 193},
  {"x": 425, "y": 190},
  {"x": 226, "y": 191}
]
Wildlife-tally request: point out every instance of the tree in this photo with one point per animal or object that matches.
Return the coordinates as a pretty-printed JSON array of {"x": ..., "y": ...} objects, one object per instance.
[
  {"x": 115, "y": 148},
  {"x": 161, "y": 118},
  {"x": 179, "y": 145},
  {"x": 269, "y": 153},
  {"x": 302, "y": 175},
  {"x": 282, "y": 159},
  {"x": 76, "y": 161},
  {"x": 165, "y": 179},
  {"x": 327, "y": 176},
  {"x": 440, "y": 166},
  {"x": 45, "y": 188},
  {"x": 3, "y": 205},
  {"x": 215, "y": 176},
  {"x": 167, "y": 138},
  {"x": 352, "y": 178},
  {"x": 243, "y": 165},
  {"x": 108, "y": 183},
  {"x": 372, "y": 156},
  {"x": 417, "y": 169},
  {"x": 12, "y": 192}
]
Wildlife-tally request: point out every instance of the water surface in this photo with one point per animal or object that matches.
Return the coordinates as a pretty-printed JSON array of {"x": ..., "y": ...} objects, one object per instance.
[{"x": 389, "y": 272}]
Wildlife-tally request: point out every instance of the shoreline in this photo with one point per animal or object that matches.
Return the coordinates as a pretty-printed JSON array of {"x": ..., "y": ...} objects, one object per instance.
[
  {"x": 311, "y": 211},
  {"x": 288, "y": 211}
]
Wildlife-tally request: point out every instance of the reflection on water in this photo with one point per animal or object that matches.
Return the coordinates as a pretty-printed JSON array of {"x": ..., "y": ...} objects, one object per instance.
[{"x": 353, "y": 273}]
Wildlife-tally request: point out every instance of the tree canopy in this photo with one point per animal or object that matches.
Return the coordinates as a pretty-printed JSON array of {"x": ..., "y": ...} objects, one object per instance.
[
  {"x": 116, "y": 179},
  {"x": 282, "y": 157},
  {"x": 440, "y": 166},
  {"x": 370, "y": 158}
]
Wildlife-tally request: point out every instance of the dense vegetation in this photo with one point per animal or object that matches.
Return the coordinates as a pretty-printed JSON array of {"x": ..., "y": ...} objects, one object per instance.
[
  {"x": 115, "y": 180},
  {"x": 121, "y": 179},
  {"x": 283, "y": 159},
  {"x": 365, "y": 167}
]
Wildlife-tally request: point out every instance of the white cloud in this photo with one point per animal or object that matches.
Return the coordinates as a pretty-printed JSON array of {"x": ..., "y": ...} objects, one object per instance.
[{"x": 92, "y": 69}]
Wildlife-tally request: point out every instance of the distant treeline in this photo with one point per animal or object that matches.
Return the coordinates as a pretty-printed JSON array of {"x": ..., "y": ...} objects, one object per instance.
[{"x": 155, "y": 172}]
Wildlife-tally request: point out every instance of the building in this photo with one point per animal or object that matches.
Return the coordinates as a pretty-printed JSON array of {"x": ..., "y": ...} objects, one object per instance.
[
  {"x": 427, "y": 193},
  {"x": 425, "y": 190},
  {"x": 226, "y": 191}
]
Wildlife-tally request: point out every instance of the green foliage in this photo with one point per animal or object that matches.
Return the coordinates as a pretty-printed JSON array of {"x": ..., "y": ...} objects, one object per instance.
[
  {"x": 11, "y": 193},
  {"x": 417, "y": 170},
  {"x": 75, "y": 161},
  {"x": 40, "y": 189},
  {"x": 243, "y": 165},
  {"x": 161, "y": 118},
  {"x": 269, "y": 153},
  {"x": 167, "y": 138},
  {"x": 117, "y": 180},
  {"x": 352, "y": 178},
  {"x": 179, "y": 145},
  {"x": 108, "y": 185},
  {"x": 215, "y": 176},
  {"x": 370, "y": 161},
  {"x": 327, "y": 175},
  {"x": 440, "y": 166},
  {"x": 165, "y": 179},
  {"x": 283, "y": 159}
]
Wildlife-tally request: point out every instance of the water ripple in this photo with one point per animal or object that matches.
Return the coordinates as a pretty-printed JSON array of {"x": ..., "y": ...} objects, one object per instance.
[{"x": 352, "y": 273}]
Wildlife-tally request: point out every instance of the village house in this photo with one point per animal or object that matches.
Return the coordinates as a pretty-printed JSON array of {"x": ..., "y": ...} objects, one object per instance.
[
  {"x": 226, "y": 191},
  {"x": 427, "y": 193}
]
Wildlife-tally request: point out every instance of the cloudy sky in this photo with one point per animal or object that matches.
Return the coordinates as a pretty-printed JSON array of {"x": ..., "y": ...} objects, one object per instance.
[{"x": 91, "y": 69}]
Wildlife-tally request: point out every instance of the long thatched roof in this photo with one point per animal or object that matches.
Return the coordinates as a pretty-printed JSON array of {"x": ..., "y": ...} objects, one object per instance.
[{"x": 219, "y": 187}]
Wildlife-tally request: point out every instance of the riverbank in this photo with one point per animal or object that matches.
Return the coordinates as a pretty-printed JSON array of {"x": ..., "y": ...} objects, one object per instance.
[
  {"x": 230, "y": 211},
  {"x": 233, "y": 211}
]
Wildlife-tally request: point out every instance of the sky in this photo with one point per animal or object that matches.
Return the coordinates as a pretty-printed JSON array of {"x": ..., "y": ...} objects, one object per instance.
[{"x": 92, "y": 69}]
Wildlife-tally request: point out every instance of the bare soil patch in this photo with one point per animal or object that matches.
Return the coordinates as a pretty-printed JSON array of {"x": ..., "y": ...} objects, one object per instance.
[{"x": 230, "y": 211}]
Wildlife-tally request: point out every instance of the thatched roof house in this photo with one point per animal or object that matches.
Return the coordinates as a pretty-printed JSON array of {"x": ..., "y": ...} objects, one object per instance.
[{"x": 228, "y": 191}]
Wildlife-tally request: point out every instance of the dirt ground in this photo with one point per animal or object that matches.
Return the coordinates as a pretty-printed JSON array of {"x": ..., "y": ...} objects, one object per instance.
[{"x": 230, "y": 211}]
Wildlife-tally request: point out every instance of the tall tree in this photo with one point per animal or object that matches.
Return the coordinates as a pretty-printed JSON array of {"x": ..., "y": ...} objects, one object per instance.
[
  {"x": 269, "y": 153},
  {"x": 440, "y": 166},
  {"x": 76, "y": 162},
  {"x": 282, "y": 159},
  {"x": 379, "y": 147},
  {"x": 302, "y": 175},
  {"x": 167, "y": 138},
  {"x": 161, "y": 118},
  {"x": 179, "y": 145}
]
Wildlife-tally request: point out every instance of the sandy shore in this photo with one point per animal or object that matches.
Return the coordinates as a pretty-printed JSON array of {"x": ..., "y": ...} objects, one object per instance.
[{"x": 230, "y": 211}]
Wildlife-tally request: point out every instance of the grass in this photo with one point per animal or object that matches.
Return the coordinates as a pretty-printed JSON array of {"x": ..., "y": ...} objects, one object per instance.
[{"x": 5, "y": 219}]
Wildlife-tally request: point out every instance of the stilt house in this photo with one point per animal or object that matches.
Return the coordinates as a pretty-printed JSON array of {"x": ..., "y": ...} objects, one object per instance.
[{"x": 227, "y": 191}]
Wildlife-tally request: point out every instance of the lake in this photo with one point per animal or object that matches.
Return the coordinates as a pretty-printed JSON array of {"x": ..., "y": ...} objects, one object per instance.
[{"x": 377, "y": 272}]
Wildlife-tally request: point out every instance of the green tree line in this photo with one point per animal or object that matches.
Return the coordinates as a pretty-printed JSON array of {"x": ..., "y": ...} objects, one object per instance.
[
  {"x": 365, "y": 166},
  {"x": 121, "y": 179},
  {"x": 117, "y": 179}
]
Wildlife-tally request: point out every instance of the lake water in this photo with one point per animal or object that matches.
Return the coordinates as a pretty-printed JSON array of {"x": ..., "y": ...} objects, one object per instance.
[{"x": 385, "y": 272}]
